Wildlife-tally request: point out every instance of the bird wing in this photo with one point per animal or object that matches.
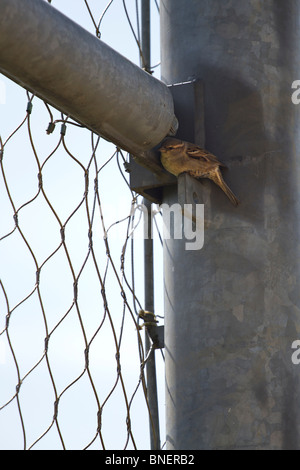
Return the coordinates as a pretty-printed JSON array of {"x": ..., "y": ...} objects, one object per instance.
[{"x": 202, "y": 155}]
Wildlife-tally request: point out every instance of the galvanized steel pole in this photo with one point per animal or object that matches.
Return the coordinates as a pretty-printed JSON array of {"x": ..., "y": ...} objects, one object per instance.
[
  {"x": 55, "y": 58},
  {"x": 232, "y": 309}
]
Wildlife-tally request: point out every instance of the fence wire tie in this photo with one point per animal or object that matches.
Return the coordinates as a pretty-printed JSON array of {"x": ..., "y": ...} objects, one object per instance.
[
  {"x": 127, "y": 167},
  {"x": 75, "y": 287},
  {"x": 46, "y": 343},
  {"x": 128, "y": 423},
  {"x": 90, "y": 237},
  {"x": 148, "y": 317},
  {"x": 40, "y": 179},
  {"x": 96, "y": 184},
  {"x": 50, "y": 128},
  {"x": 86, "y": 356},
  {"x": 133, "y": 202},
  {"x": 29, "y": 107},
  {"x": 55, "y": 409},
  {"x": 15, "y": 216},
  {"x": 37, "y": 281},
  {"x": 105, "y": 303},
  {"x": 7, "y": 320},
  {"x": 63, "y": 129},
  {"x": 18, "y": 386},
  {"x": 117, "y": 356},
  {"x": 62, "y": 234},
  {"x": 99, "y": 420},
  {"x": 86, "y": 178}
]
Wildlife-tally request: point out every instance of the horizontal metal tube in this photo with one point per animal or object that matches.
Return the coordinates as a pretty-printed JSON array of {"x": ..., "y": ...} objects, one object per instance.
[{"x": 50, "y": 55}]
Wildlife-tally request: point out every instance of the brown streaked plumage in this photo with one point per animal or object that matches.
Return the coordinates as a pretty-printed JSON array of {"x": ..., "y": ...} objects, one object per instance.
[{"x": 178, "y": 156}]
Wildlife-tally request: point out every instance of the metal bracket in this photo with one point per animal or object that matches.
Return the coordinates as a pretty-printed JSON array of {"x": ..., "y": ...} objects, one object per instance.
[
  {"x": 188, "y": 100},
  {"x": 189, "y": 110},
  {"x": 155, "y": 332}
]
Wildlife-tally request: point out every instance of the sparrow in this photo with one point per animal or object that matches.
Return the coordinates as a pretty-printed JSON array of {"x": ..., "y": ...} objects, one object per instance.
[{"x": 178, "y": 156}]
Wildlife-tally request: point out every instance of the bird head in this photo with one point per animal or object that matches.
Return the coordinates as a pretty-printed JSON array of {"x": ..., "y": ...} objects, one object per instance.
[{"x": 172, "y": 146}]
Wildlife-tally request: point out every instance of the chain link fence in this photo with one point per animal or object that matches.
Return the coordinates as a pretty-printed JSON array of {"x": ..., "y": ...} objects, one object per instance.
[{"x": 72, "y": 355}]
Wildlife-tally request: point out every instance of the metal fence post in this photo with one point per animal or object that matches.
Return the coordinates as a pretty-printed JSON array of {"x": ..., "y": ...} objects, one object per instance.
[{"x": 148, "y": 258}]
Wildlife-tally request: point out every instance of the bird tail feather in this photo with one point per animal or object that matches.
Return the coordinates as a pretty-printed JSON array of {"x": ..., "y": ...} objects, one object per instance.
[{"x": 218, "y": 179}]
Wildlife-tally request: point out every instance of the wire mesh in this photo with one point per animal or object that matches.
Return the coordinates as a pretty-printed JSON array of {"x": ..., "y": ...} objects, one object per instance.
[{"x": 72, "y": 357}]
